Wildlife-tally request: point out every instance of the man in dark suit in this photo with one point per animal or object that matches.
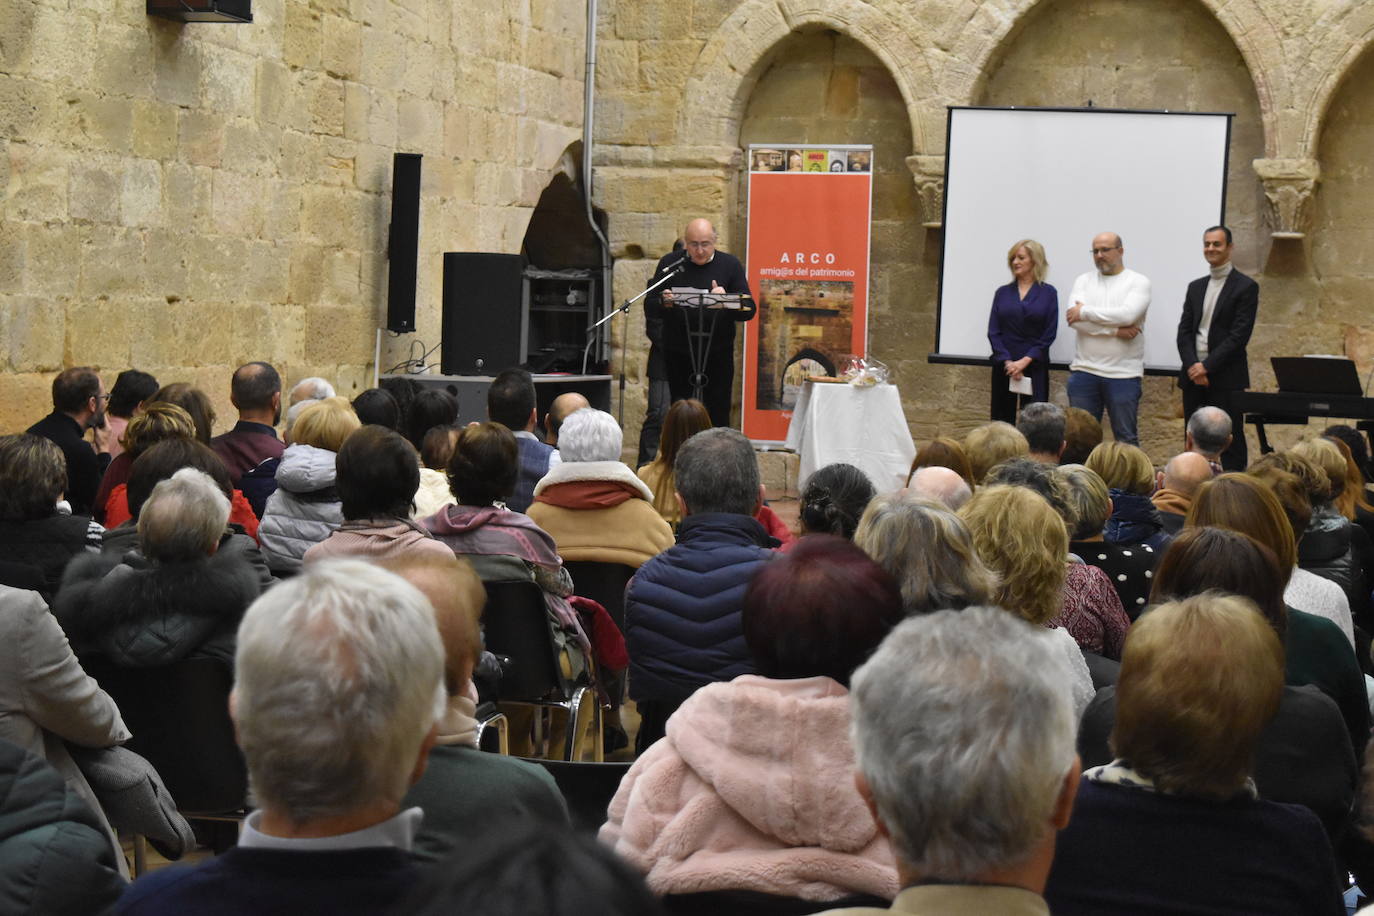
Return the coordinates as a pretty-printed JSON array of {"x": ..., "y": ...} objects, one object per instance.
[{"x": 1218, "y": 316}]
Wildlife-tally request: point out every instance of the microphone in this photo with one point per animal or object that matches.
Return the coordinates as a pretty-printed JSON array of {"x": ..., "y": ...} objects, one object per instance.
[{"x": 676, "y": 266}]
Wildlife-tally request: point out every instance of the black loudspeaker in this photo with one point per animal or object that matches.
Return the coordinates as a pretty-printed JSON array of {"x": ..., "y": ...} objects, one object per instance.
[
  {"x": 484, "y": 327},
  {"x": 403, "y": 242}
]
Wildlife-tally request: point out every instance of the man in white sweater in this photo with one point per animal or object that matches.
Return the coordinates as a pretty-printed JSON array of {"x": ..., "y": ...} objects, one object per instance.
[{"x": 1108, "y": 314}]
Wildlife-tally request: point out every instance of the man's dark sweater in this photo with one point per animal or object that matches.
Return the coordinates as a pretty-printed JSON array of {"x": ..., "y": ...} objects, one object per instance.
[
  {"x": 84, "y": 466},
  {"x": 667, "y": 327},
  {"x": 246, "y": 446}
]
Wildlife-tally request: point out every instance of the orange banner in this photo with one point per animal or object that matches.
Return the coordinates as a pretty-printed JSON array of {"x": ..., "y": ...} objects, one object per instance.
[{"x": 808, "y": 248}]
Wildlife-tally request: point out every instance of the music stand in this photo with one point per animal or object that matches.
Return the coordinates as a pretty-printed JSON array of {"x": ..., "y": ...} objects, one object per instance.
[{"x": 702, "y": 303}]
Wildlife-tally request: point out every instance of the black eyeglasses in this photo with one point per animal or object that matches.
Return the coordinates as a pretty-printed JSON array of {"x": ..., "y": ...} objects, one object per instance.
[{"x": 1098, "y": 251}]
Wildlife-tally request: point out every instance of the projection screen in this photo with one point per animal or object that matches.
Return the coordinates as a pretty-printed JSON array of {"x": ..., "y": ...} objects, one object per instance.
[{"x": 1060, "y": 176}]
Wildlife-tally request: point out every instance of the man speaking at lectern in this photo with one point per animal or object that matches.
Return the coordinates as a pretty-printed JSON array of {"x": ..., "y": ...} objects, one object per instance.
[{"x": 701, "y": 267}]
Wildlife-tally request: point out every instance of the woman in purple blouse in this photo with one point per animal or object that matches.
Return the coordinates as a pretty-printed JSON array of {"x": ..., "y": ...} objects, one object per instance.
[{"x": 1021, "y": 327}]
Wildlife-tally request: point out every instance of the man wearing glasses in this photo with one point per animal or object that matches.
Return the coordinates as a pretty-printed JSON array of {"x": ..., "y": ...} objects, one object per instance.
[
  {"x": 1108, "y": 314},
  {"x": 78, "y": 404},
  {"x": 672, "y": 325}
]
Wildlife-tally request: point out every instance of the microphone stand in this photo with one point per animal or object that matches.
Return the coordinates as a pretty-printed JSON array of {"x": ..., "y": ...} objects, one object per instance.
[{"x": 622, "y": 309}]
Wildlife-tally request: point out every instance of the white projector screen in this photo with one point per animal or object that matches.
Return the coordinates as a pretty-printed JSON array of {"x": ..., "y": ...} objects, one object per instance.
[{"x": 1158, "y": 179}]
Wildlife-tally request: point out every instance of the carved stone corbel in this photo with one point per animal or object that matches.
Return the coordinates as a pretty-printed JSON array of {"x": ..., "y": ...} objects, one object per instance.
[
  {"x": 929, "y": 175},
  {"x": 1288, "y": 185}
]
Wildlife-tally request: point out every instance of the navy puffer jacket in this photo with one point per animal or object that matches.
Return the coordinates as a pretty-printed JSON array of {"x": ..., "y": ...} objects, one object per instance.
[
  {"x": 1135, "y": 520},
  {"x": 683, "y": 607}
]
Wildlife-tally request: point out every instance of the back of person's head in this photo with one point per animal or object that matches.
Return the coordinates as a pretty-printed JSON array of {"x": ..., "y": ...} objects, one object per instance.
[
  {"x": 833, "y": 499},
  {"x": 944, "y": 452},
  {"x": 1185, "y": 472},
  {"x": 1023, "y": 540},
  {"x": 437, "y": 448},
  {"x": 1123, "y": 467},
  {"x": 378, "y": 473},
  {"x": 166, "y": 458},
  {"x": 563, "y": 406},
  {"x": 1356, "y": 442},
  {"x": 1326, "y": 458},
  {"x": 1353, "y": 496},
  {"x": 326, "y": 424},
  {"x": 376, "y": 407},
  {"x": 484, "y": 466},
  {"x": 1082, "y": 434},
  {"x": 1243, "y": 503},
  {"x": 1314, "y": 482},
  {"x": 716, "y": 471},
  {"x": 685, "y": 418},
  {"x": 33, "y": 475},
  {"x": 964, "y": 732},
  {"x": 1200, "y": 680},
  {"x": 338, "y": 679},
  {"x": 511, "y": 399},
  {"x": 1088, "y": 500},
  {"x": 1042, "y": 423},
  {"x": 195, "y": 402},
  {"x": 131, "y": 388},
  {"x": 1210, "y": 429},
  {"x": 404, "y": 391},
  {"x": 1037, "y": 476},
  {"x": 819, "y": 609},
  {"x": 254, "y": 386},
  {"x": 73, "y": 389},
  {"x": 432, "y": 407},
  {"x": 1219, "y": 559},
  {"x": 158, "y": 421},
  {"x": 183, "y": 518},
  {"x": 458, "y": 596},
  {"x": 928, "y": 550},
  {"x": 1293, "y": 497},
  {"x": 313, "y": 388},
  {"x": 991, "y": 444},
  {"x": 522, "y": 867},
  {"x": 590, "y": 435},
  {"x": 944, "y": 485}
]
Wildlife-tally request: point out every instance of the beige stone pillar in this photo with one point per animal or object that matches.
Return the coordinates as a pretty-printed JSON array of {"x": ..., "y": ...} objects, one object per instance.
[
  {"x": 929, "y": 175},
  {"x": 1288, "y": 186}
]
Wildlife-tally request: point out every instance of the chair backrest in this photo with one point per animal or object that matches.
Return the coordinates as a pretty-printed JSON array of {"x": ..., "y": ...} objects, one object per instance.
[
  {"x": 604, "y": 583},
  {"x": 179, "y": 716},
  {"x": 516, "y": 624},
  {"x": 587, "y": 788}
]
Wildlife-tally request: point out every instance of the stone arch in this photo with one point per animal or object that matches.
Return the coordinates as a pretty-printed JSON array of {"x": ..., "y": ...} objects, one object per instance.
[
  {"x": 741, "y": 49},
  {"x": 1355, "y": 19}
]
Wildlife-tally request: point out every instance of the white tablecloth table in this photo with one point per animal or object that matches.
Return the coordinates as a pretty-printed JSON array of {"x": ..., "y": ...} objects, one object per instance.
[{"x": 864, "y": 427}]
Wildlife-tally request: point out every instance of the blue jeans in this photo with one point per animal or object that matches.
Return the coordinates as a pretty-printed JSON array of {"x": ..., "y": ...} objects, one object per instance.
[{"x": 1120, "y": 396}]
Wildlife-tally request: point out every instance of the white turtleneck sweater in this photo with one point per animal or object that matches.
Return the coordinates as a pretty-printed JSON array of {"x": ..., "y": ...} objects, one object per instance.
[
  {"x": 1110, "y": 302},
  {"x": 1209, "y": 303}
]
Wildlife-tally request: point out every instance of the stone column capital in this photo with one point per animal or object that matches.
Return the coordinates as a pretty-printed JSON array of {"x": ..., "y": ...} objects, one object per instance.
[
  {"x": 1288, "y": 186},
  {"x": 929, "y": 174}
]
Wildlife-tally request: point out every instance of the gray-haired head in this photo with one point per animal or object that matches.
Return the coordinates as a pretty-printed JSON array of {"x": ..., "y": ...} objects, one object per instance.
[
  {"x": 716, "y": 471},
  {"x": 928, "y": 550},
  {"x": 964, "y": 731},
  {"x": 1037, "y": 476},
  {"x": 1210, "y": 429},
  {"x": 183, "y": 517},
  {"x": 940, "y": 484},
  {"x": 590, "y": 435},
  {"x": 1088, "y": 497},
  {"x": 338, "y": 681},
  {"x": 1042, "y": 423},
  {"x": 313, "y": 388}
]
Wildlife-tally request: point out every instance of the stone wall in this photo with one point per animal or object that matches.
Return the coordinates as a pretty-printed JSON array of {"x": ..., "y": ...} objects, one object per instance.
[{"x": 183, "y": 198}]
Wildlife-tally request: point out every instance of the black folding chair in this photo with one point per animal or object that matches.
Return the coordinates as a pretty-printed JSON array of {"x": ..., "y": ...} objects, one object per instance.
[{"x": 587, "y": 788}]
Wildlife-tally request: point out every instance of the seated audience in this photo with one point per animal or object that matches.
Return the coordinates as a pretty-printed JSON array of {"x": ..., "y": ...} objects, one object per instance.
[
  {"x": 833, "y": 499},
  {"x": 329, "y": 835},
  {"x": 377, "y": 473},
  {"x": 940, "y": 484},
  {"x": 37, "y": 538},
  {"x": 728, "y": 800},
  {"x": 991, "y": 444},
  {"x": 432, "y": 407},
  {"x": 466, "y": 793},
  {"x": 684, "y": 420},
  {"x": 1333, "y": 546},
  {"x": 1200, "y": 681},
  {"x": 132, "y": 389},
  {"x": 47, "y": 701},
  {"x": 925, "y": 547},
  {"x": 195, "y": 402},
  {"x": 1082, "y": 434},
  {"x": 1304, "y": 755},
  {"x": 433, "y": 493},
  {"x": 943, "y": 452},
  {"x": 1353, "y": 501},
  {"x": 563, "y": 406},
  {"x": 1129, "y": 569},
  {"x": 964, "y": 740},
  {"x": 78, "y": 404},
  {"x": 1023, "y": 541},
  {"x": 376, "y": 407},
  {"x": 305, "y": 507},
  {"x": 304, "y": 393},
  {"x": 511, "y": 402},
  {"x": 1178, "y": 483},
  {"x": 1209, "y": 434},
  {"x": 1130, "y": 480},
  {"x": 403, "y": 390},
  {"x": 1042, "y": 423},
  {"x": 176, "y": 596},
  {"x": 683, "y": 607},
  {"x": 159, "y": 421},
  {"x": 592, "y": 504},
  {"x": 251, "y": 450}
]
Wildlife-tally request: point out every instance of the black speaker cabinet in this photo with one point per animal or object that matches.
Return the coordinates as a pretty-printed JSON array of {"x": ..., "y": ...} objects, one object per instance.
[
  {"x": 485, "y": 320},
  {"x": 403, "y": 243}
]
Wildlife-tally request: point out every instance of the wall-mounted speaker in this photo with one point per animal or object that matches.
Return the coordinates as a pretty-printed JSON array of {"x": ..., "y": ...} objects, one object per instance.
[
  {"x": 403, "y": 242},
  {"x": 484, "y": 323}
]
